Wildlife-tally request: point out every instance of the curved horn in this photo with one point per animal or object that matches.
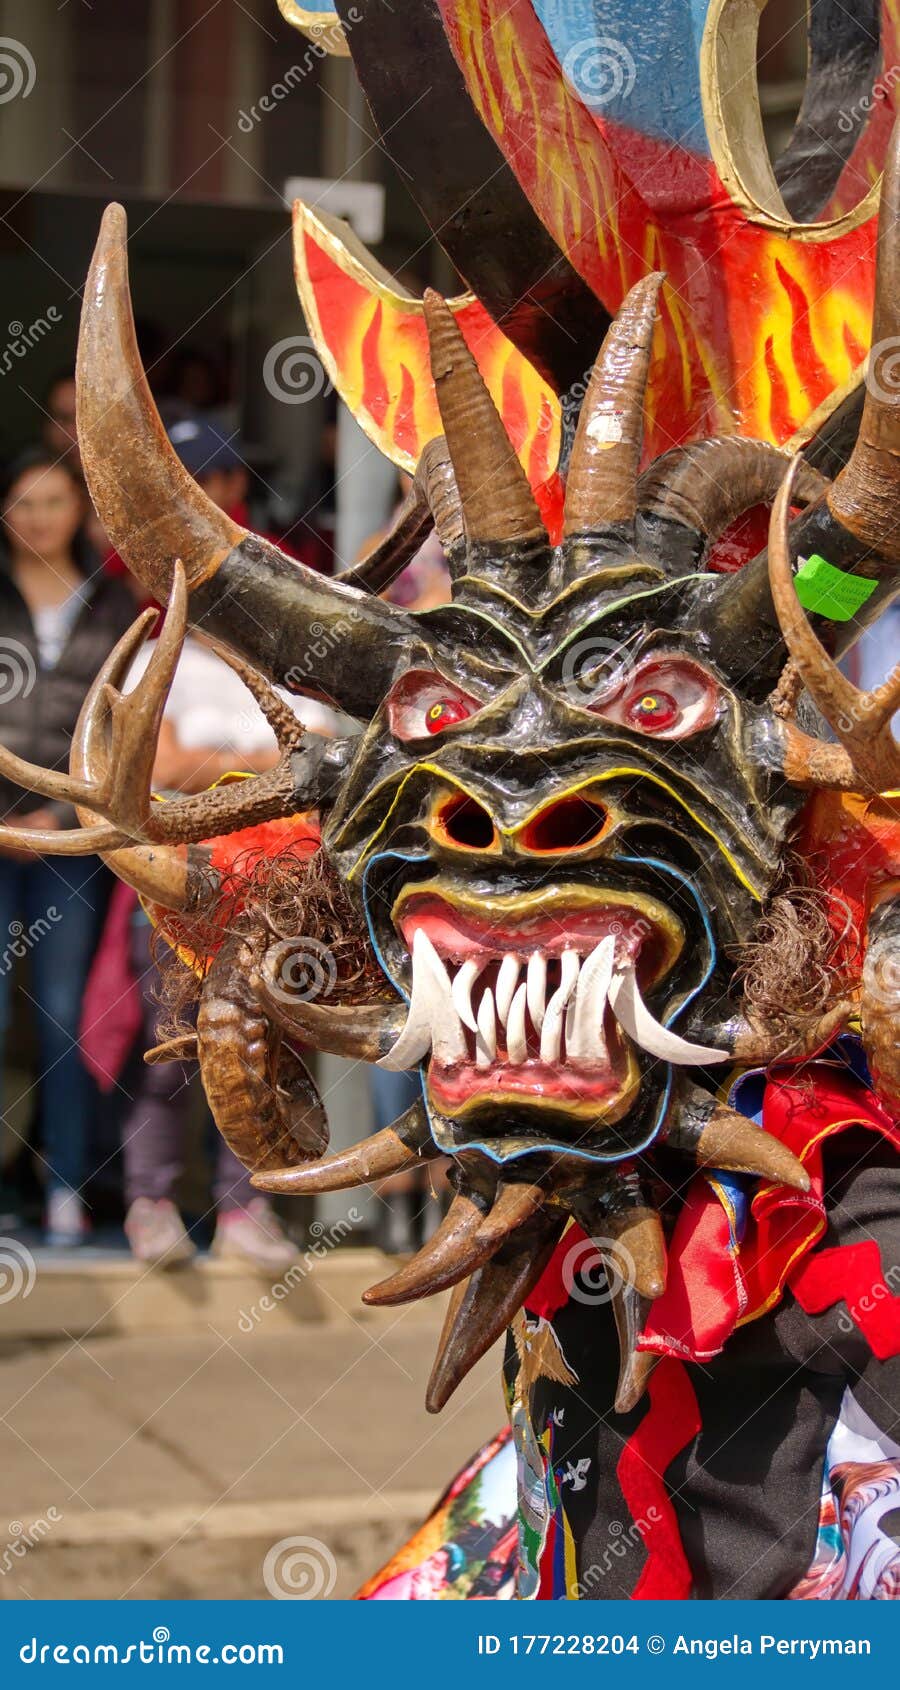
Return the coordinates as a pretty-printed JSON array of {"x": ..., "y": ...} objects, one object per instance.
[
  {"x": 602, "y": 482},
  {"x": 706, "y": 486},
  {"x": 246, "y": 593},
  {"x": 497, "y": 500},
  {"x": 151, "y": 508},
  {"x": 854, "y": 525},
  {"x": 864, "y": 496}
]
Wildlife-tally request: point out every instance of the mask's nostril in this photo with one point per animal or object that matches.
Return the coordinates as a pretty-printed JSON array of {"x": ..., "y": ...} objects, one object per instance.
[
  {"x": 465, "y": 823},
  {"x": 565, "y": 826}
]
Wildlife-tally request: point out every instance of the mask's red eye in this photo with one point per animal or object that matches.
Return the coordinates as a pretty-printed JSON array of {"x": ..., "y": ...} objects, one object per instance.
[
  {"x": 652, "y": 711},
  {"x": 671, "y": 696},
  {"x": 422, "y": 702}
]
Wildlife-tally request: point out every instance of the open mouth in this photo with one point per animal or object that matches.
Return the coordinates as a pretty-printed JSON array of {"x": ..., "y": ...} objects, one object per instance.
[{"x": 536, "y": 999}]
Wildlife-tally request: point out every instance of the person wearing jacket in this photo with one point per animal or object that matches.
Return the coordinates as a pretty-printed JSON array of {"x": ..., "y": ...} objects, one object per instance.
[{"x": 59, "y": 617}]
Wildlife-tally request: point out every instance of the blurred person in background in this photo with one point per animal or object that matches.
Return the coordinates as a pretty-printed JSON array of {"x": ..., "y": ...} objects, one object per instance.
[
  {"x": 60, "y": 617},
  {"x": 58, "y": 431}
]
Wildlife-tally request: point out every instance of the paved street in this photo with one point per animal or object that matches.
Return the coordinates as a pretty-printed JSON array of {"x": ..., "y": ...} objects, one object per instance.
[{"x": 168, "y": 1462}]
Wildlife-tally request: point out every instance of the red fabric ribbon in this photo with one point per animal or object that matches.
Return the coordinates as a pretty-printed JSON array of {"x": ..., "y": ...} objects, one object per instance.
[{"x": 671, "y": 1421}]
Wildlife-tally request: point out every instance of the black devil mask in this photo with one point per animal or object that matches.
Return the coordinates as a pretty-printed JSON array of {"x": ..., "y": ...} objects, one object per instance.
[{"x": 569, "y": 806}]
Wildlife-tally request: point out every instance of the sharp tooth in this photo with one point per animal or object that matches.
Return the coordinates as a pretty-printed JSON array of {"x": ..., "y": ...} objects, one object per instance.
[
  {"x": 516, "y": 1041},
  {"x": 462, "y": 991},
  {"x": 537, "y": 988},
  {"x": 486, "y": 1034},
  {"x": 551, "y": 1031},
  {"x": 585, "y": 1043},
  {"x": 632, "y": 1014},
  {"x": 507, "y": 980},
  {"x": 431, "y": 1019}
]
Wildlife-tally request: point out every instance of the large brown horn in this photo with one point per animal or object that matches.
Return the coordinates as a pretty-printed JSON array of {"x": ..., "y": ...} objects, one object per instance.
[
  {"x": 293, "y": 625},
  {"x": 601, "y": 488},
  {"x": 497, "y": 501},
  {"x": 151, "y": 508}
]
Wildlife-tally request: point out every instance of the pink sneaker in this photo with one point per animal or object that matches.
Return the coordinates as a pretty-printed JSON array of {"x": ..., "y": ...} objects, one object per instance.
[
  {"x": 254, "y": 1234},
  {"x": 156, "y": 1233}
]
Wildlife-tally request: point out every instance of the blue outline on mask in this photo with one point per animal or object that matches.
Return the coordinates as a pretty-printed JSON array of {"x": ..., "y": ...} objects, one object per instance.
[{"x": 549, "y": 1146}]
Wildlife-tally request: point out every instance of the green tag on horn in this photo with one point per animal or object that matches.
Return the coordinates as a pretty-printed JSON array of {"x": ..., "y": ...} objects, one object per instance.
[{"x": 829, "y": 591}]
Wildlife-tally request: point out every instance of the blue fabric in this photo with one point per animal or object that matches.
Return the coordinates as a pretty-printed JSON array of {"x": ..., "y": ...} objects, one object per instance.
[{"x": 49, "y": 911}]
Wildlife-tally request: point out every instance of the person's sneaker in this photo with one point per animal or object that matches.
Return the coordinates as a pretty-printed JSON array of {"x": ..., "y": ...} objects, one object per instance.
[
  {"x": 65, "y": 1223},
  {"x": 156, "y": 1233},
  {"x": 254, "y": 1234}
]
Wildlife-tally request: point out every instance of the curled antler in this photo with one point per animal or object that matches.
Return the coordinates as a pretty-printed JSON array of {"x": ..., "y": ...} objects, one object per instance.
[
  {"x": 867, "y": 759},
  {"x": 117, "y": 737}
]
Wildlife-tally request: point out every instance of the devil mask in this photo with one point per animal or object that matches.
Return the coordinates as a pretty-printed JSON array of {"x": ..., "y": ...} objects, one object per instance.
[{"x": 567, "y": 812}]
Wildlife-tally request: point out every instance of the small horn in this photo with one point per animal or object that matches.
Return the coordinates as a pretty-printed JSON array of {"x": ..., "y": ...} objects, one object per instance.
[
  {"x": 482, "y": 1307},
  {"x": 630, "y": 1312},
  {"x": 718, "y": 1137},
  {"x": 497, "y": 501},
  {"x": 454, "y": 1251},
  {"x": 406, "y": 1144},
  {"x": 601, "y": 488}
]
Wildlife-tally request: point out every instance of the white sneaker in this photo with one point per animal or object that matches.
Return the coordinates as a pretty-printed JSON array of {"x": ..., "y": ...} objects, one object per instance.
[
  {"x": 156, "y": 1233},
  {"x": 256, "y": 1234},
  {"x": 66, "y": 1223}
]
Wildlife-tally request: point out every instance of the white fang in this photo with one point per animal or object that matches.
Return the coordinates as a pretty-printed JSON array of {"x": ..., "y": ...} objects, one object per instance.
[{"x": 632, "y": 1014}]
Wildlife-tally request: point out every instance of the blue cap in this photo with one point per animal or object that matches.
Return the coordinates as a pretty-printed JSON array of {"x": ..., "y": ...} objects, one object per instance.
[{"x": 201, "y": 448}]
